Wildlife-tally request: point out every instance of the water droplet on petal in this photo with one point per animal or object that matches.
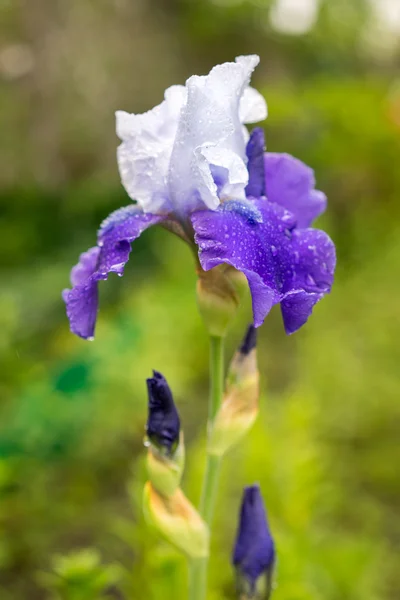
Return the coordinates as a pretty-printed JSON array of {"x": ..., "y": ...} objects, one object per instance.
[
  {"x": 274, "y": 250},
  {"x": 288, "y": 218},
  {"x": 310, "y": 280}
]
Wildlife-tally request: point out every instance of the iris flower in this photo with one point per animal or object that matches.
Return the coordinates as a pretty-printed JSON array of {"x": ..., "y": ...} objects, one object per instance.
[{"x": 190, "y": 165}]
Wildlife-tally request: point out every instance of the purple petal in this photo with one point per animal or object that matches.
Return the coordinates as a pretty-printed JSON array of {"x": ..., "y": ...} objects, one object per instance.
[
  {"x": 315, "y": 261},
  {"x": 296, "y": 308},
  {"x": 85, "y": 267},
  {"x": 230, "y": 235},
  {"x": 278, "y": 263},
  {"x": 290, "y": 183},
  {"x": 82, "y": 305},
  {"x": 110, "y": 256},
  {"x": 255, "y": 153}
]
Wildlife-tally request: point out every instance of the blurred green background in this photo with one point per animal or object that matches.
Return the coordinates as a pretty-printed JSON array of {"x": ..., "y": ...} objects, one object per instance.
[{"x": 326, "y": 447}]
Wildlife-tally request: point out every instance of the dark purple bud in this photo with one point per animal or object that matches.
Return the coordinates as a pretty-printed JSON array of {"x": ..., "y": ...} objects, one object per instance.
[
  {"x": 254, "y": 552},
  {"x": 249, "y": 341},
  {"x": 163, "y": 424}
]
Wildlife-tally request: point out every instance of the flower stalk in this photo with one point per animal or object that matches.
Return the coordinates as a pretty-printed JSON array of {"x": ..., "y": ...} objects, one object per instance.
[
  {"x": 198, "y": 574},
  {"x": 210, "y": 482}
]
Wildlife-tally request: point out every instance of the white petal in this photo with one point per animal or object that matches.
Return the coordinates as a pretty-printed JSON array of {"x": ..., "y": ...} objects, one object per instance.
[
  {"x": 229, "y": 173},
  {"x": 253, "y": 107},
  {"x": 206, "y": 187},
  {"x": 144, "y": 155},
  {"x": 210, "y": 118},
  {"x": 142, "y": 169},
  {"x": 189, "y": 151},
  {"x": 175, "y": 97}
]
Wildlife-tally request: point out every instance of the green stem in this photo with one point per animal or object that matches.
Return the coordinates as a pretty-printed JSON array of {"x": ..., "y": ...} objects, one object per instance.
[
  {"x": 210, "y": 482},
  {"x": 198, "y": 574}
]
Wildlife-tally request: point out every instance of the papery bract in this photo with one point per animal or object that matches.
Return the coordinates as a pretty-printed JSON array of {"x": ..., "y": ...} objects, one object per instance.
[{"x": 176, "y": 519}]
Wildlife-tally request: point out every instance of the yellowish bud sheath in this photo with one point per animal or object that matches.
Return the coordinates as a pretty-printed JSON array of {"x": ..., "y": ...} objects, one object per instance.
[
  {"x": 217, "y": 299},
  {"x": 165, "y": 472},
  {"x": 238, "y": 280},
  {"x": 176, "y": 519},
  {"x": 239, "y": 407}
]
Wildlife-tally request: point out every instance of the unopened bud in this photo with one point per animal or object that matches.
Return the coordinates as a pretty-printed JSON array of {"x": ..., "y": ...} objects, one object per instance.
[
  {"x": 254, "y": 551},
  {"x": 217, "y": 298},
  {"x": 239, "y": 407},
  {"x": 166, "y": 456},
  {"x": 176, "y": 519},
  {"x": 163, "y": 424}
]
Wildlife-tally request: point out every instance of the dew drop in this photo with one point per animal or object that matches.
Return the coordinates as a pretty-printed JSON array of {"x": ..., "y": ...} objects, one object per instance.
[
  {"x": 274, "y": 250},
  {"x": 310, "y": 280},
  {"x": 287, "y": 218}
]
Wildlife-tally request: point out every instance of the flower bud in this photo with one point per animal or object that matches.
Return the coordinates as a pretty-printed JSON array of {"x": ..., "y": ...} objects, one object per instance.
[
  {"x": 176, "y": 519},
  {"x": 217, "y": 298},
  {"x": 239, "y": 407},
  {"x": 254, "y": 551},
  {"x": 163, "y": 424},
  {"x": 166, "y": 456}
]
